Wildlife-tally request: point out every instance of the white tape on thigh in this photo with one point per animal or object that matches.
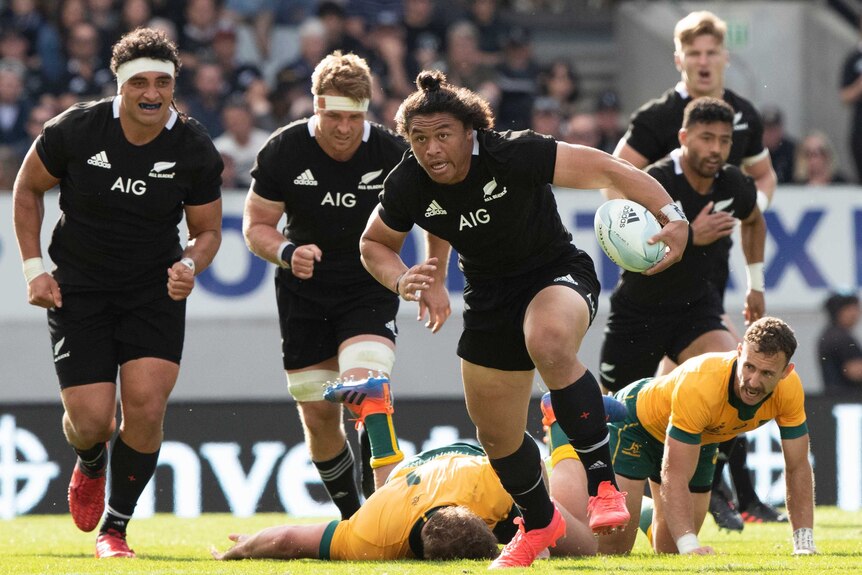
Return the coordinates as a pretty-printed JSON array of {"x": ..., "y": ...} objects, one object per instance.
[
  {"x": 370, "y": 355},
  {"x": 309, "y": 385}
]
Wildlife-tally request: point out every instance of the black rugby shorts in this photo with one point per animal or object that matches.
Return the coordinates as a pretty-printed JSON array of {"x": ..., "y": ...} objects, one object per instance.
[
  {"x": 636, "y": 339},
  {"x": 494, "y": 310},
  {"x": 314, "y": 320},
  {"x": 96, "y": 332}
]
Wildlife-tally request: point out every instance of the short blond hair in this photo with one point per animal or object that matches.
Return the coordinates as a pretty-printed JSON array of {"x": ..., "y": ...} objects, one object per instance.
[
  {"x": 346, "y": 74},
  {"x": 697, "y": 24}
]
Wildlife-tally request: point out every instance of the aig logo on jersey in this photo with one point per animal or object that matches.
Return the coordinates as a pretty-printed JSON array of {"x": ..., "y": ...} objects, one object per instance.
[
  {"x": 129, "y": 186},
  {"x": 474, "y": 219}
]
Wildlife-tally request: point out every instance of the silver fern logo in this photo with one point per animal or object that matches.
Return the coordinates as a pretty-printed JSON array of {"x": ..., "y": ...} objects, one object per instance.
[
  {"x": 159, "y": 168},
  {"x": 366, "y": 179},
  {"x": 57, "y": 347}
]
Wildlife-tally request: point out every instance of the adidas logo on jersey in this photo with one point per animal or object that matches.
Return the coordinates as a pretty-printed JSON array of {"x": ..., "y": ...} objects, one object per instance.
[
  {"x": 305, "y": 179},
  {"x": 434, "y": 209},
  {"x": 100, "y": 160},
  {"x": 598, "y": 465},
  {"x": 567, "y": 279}
]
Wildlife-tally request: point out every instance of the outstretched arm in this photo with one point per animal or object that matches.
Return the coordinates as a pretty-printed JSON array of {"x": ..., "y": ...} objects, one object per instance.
[
  {"x": 799, "y": 479},
  {"x": 280, "y": 542},
  {"x": 677, "y": 468}
]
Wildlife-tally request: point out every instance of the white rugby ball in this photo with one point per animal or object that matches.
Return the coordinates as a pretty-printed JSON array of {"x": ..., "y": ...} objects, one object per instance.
[{"x": 622, "y": 229}]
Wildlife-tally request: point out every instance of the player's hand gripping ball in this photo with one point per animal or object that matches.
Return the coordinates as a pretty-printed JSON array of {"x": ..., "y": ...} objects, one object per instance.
[{"x": 622, "y": 229}]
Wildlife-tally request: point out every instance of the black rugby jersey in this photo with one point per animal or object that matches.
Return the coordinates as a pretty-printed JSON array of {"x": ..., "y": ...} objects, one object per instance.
[
  {"x": 121, "y": 203},
  {"x": 654, "y": 128},
  {"x": 683, "y": 283},
  {"x": 502, "y": 218},
  {"x": 327, "y": 202}
]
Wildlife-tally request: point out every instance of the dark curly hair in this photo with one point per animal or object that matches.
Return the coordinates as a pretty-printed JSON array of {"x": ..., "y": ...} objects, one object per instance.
[
  {"x": 145, "y": 43},
  {"x": 770, "y": 335},
  {"x": 435, "y": 95}
]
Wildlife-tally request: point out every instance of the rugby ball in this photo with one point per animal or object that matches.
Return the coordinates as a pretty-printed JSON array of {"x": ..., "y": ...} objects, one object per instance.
[{"x": 622, "y": 229}]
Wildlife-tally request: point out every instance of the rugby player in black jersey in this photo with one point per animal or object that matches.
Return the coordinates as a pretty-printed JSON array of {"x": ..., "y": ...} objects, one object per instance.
[
  {"x": 530, "y": 294},
  {"x": 337, "y": 322},
  {"x": 645, "y": 323},
  {"x": 129, "y": 167},
  {"x": 701, "y": 58}
]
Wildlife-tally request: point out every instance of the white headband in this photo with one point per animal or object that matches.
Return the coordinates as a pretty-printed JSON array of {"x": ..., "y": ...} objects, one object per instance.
[
  {"x": 128, "y": 69},
  {"x": 340, "y": 104}
]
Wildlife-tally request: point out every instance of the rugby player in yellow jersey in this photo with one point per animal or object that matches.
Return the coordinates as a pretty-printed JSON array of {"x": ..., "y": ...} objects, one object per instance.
[
  {"x": 676, "y": 421},
  {"x": 442, "y": 504}
]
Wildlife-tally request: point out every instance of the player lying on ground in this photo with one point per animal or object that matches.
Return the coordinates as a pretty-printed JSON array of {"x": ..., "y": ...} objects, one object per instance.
[{"x": 442, "y": 504}]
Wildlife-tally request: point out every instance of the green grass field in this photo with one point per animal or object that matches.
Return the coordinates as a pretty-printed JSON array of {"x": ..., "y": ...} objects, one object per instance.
[{"x": 168, "y": 545}]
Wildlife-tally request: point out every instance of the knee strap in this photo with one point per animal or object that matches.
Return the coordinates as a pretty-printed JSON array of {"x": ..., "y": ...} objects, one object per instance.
[{"x": 371, "y": 355}]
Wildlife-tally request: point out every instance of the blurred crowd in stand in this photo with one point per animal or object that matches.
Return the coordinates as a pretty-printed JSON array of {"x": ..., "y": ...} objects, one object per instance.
[
  {"x": 247, "y": 64},
  {"x": 247, "y": 67}
]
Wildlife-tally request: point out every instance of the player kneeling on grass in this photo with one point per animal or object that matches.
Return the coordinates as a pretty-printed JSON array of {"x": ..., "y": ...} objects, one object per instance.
[
  {"x": 676, "y": 421},
  {"x": 442, "y": 504}
]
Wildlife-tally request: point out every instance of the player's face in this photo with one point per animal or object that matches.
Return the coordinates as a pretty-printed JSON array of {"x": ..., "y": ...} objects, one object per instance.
[
  {"x": 442, "y": 146},
  {"x": 758, "y": 374},
  {"x": 702, "y": 65},
  {"x": 339, "y": 133},
  {"x": 706, "y": 147},
  {"x": 147, "y": 98}
]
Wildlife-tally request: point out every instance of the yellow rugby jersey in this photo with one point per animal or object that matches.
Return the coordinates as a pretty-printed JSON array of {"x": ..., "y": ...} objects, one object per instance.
[
  {"x": 381, "y": 528},
  {"x": 695, "y": 403}
]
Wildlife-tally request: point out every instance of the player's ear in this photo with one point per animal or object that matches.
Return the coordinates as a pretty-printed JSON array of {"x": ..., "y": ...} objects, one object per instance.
[
  {"x": 682, "y": 135},
  {"x": 677, "y": 61},
  {"x": 790, "y": 367}
]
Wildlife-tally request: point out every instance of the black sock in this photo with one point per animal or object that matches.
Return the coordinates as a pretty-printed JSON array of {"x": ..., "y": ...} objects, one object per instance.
[
  {"x": 724, "y": 449},
  {"x": 741, "y": 475},
  {"x": 581, "y": 414},
  {"x": 366, "y": 472},
  {"x": 94, "y": 460},
  {"x": 337, "y": 477},
  {"x": 130, "y": 472},
  {"x": 521, "y": 475}
]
